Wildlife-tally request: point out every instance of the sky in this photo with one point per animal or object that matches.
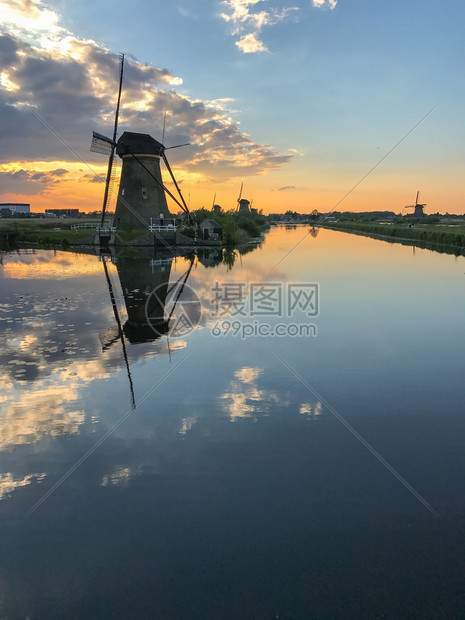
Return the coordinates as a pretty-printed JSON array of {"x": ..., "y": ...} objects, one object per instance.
[{"x": 298, "y": 100}]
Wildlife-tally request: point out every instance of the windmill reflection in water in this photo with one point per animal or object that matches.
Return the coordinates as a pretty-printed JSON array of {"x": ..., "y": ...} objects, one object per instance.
[{"x": 155, "y": 307}]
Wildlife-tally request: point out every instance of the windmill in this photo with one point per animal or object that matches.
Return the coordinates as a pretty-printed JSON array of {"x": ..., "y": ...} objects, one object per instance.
[
  {"x": 216, "y": 208},
  {"x": 142, "y": 194},
  {"x": 155, "y": 306},
  {"x": 242, "y": 203},
  {"x": 418, "y": 207}
]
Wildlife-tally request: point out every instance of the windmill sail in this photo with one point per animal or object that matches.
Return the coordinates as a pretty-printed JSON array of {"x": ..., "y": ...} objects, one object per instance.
[
  {"x": 106, "y": 146},
  {"x": 184, "y": 206},
  {"x": 120, "y": 332},
  {"x": 101, "y": 144},
  {"x": 113, "y": 146},
  {"x": 114, "y": 175}
]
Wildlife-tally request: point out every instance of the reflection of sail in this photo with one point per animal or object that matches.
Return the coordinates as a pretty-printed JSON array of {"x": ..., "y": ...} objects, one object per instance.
[{"x": 120, "y": 332}]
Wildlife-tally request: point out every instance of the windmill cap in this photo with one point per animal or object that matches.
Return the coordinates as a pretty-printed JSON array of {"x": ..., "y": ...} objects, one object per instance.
[{"x": 138, "y": 143}]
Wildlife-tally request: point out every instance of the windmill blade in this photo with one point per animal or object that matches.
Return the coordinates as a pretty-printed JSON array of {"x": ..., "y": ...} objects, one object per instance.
[
  {"x": 164, "y": 124},
  {"x": 214, "y": 198},
  {"x": 107, "y": 185},
  {"x": 165, "y": 159},
  {"x": 416, "y": 199},
  {"x": 181, "y": 288},
  {"x": 240, "y": 193},
  {"x": 121, "y": 71},
  {"x": 101, "y": 144},
  {"x": 120, "y": 332},
  {"x": 167, "y": 148},
  {"x": 114, "y": 176},
  {"x": 112, "y": 152}
]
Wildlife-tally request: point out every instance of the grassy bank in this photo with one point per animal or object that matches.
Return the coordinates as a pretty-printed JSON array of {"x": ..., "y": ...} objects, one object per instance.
[
  {"x": 429, "y": 234},
  {"x": 237, "y": 229},
  {"x": 41, "y": 232}
]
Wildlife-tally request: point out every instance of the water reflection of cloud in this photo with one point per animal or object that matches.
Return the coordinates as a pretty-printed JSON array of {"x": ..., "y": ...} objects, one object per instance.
[
  {"x": 30, "y": 416},
  {"x": 48, "y": 369},
  {"x": 50, "y": 351},
  {"x": 186, "y": 425},
  {"x": 120, "y": 477},
  {"x": 246, "y": 399},
  {"x": 8, "y": 483},
  {"x": 248, "y": 375},
  {"x": 311, "y": 410},
  {"x": 50, "y": 265}
]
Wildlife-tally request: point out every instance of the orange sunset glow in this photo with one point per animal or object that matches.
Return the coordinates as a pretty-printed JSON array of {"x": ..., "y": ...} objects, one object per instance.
[{"x": 362, "y": 149}]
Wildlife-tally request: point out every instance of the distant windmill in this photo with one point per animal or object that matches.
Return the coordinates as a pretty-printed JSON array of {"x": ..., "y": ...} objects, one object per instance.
[
  {"x": 418, "y": 207},
  {"x": 242, "y": 203},
  {"x": 216, "y": 208},
  {"x": 141, "y": 196}
]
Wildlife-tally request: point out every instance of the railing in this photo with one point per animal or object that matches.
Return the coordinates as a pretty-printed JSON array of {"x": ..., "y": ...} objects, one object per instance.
[
  {"x": 85, "y": 225},
  {"x": 159, "y": 227},
  {"x": 105, "y": 228},
  {"x": 160, "y": 224},
  {"x": 156, "y": 262}
]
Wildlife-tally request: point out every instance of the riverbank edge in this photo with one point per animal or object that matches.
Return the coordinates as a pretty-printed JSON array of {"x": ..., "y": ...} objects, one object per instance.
[
  {"x": 144, "y": 241},
  {"x": 427, "y": 241}
]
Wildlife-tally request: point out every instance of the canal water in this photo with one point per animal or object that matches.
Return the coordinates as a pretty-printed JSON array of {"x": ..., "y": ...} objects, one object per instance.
[{"x": 272, "y": 433}]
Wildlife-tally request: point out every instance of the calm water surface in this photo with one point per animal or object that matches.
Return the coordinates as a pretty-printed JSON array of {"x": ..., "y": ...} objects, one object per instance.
[{"x": 233, "y": 489}]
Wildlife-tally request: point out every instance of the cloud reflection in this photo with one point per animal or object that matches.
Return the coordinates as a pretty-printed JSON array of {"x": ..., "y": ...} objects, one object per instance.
[
  {"x": 246, "y": 399},
  {"x": 8, "y": 483}
]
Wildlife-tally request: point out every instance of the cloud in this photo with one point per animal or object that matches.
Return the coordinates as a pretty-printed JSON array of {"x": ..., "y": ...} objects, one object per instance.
[
  {"x": 249, "y": 44},
  {"x": 249, "y": 24},
  {"x": 286, "y": 187},
  {"x": 70, "y": 83},
  {"x": 29, "y": 181},
  {"x": 324, "y": 3}
]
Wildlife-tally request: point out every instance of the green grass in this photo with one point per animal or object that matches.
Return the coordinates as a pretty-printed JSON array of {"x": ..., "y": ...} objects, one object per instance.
[
  {"x": 48, "y": 232},
  {"x": 435, "y": 233},
  {"x": 43, "y": 223}
]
